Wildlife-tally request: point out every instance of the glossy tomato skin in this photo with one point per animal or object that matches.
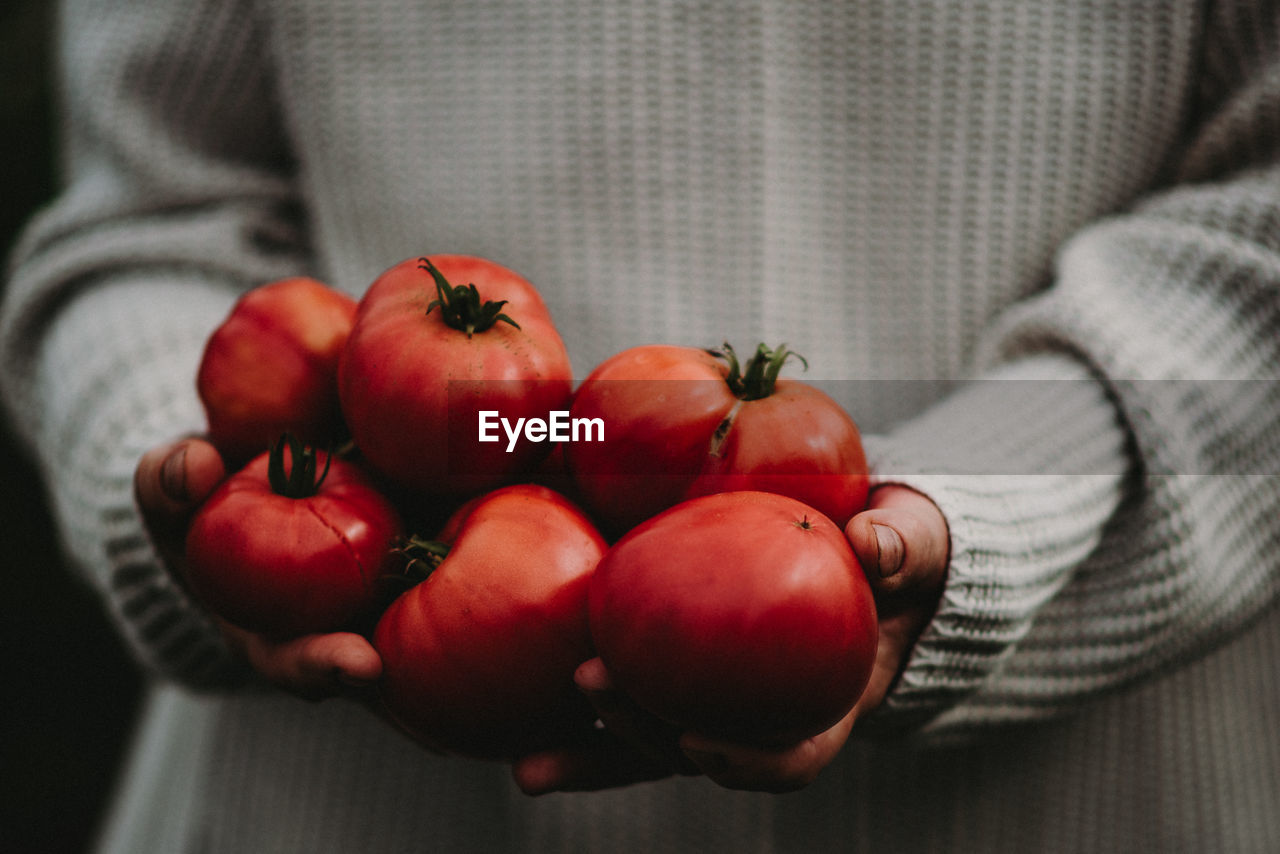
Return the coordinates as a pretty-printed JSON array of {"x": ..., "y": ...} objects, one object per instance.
[
  {"x": 292, "y": 566},
  {"x": 412, "y": 387},
  {"x": 797, "y": 442},
  {"x": 660, "y": 406},
  {"x": 740, "y": 615},
  {"x": 478, "y": 659},
  {"x": 674, "y": 429},
  {"x": 272, "y": 366}
]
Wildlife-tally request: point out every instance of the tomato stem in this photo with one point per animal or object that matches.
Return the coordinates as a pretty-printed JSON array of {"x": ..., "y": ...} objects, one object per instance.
[
  {"x": 461, "y": 307},
  {"x": 301, "y": 480},
  {"x": 422, "y": 557},
  {"x": 757, "y": 379}
]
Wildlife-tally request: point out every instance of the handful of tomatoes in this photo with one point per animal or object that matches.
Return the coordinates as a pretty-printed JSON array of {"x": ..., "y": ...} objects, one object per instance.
[{"x": 729, "y": 601}]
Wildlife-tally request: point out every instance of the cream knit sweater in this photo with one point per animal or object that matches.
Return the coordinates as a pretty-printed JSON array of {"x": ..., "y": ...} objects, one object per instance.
[{"x": 1033, "y": 247}]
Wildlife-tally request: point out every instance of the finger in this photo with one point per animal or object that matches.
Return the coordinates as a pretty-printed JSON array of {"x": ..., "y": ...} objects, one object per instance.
[
  {"x": 737, "y": 766},
  {"x": 171, "y": 480},
  {"x": 898, "y": 634},
  {"x": 902, "y": 542},
  {"x": 169, "y": 483},
  {"x": 632, "y": 725},
  {"x": 621, "y": 716},
  {"x": 606, "y": 762},
  {"x": 313, "y": 667}
]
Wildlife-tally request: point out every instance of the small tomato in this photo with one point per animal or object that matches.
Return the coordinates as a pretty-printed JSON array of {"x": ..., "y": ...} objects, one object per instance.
[
  {"x": 279, "y": 550},
  {"x": 271, "y": 367}
]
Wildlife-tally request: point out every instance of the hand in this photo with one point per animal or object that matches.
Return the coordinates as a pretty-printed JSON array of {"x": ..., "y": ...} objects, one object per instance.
[
  {"x": 904, "y": 545},
  {"x": 635, "y": 747},
  {"x": 170, "y": 483},
  {"x": 902, "y": 542}
]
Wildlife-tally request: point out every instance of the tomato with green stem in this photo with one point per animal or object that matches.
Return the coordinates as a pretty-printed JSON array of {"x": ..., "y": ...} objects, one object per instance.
[
  {"x": 681, "y": 422},
  {"x": 427, "y": 357},
  {"x": 284, "y": 549}
]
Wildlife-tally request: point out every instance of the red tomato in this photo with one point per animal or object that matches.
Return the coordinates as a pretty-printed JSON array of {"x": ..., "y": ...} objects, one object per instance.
[
  {"x": 272, "y": 367},
  {"x": 681, "y": 422},
  {"x": 479, "y": 658},
  {"x": 285, "y": 555},
  {"x": 742, "y": 615},
  {"x": 427, "y": 357}
]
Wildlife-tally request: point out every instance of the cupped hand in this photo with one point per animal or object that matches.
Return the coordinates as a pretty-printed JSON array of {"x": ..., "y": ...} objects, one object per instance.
[
  {"x": 904, "y": 545},
  {"x": 171, "y": 481},
  {"x": 902, "y": 542}
]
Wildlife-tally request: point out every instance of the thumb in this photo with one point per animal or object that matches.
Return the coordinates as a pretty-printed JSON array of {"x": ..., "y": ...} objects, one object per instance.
[
  {"x": 170, "y": 482},
  {"x": 902, "y": 542}
]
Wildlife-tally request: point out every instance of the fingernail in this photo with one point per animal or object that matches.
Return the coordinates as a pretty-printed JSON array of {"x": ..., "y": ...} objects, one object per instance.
[
  {"x": 173, "y": 475},
  {"x": 591, "y": 677},
  {"x": 708, "y": 763},
  {"x": 889, "y": 548}
]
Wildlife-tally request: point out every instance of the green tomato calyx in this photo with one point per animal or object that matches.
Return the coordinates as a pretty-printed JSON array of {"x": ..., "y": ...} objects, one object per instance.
[
  {"x": 301, "y": 480},
  {"x": 758, "y": 377},
  {"x": 461, "y": 307},
  {"x": 421, "y": 558}
]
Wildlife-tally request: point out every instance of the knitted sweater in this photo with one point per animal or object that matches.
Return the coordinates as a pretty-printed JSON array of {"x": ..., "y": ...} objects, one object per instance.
[{"x": 1032, "y": 246}]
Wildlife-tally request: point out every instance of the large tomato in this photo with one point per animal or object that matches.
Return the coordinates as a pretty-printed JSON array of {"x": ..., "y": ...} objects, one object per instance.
[
  {"x": 272, "y": 367},
  {"x": 426, "y": 357},
  {"x": 478, "y": 659},
  {"x": 741, "y": 615},
  {"x": 680, "y": 422},
  {"x": 282, "y": 549}
]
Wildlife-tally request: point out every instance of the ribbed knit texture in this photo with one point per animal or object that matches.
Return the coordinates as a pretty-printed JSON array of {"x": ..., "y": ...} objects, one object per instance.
[{"x": 1033, "y": 247}]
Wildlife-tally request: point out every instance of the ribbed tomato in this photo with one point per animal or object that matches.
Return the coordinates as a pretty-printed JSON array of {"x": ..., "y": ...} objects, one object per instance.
[
  {"x": 272, "y": 366},
  {"x": 680, "y": 422},
  {"x": 740, "y": 615},
  {"x": 478, "y": 659},
  {"x": 284, "y": 550},
  {"x": 427, "y": 356}
]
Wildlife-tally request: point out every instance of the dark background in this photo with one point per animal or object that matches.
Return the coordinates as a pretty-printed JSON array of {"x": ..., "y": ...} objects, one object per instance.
[{"x": 70, "y": 693}]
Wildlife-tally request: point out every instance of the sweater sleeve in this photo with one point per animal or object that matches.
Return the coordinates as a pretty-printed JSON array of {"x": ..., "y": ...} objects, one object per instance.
[
  {"x": 179, "y": 195},
  {"x": 1111, "y": 479}
]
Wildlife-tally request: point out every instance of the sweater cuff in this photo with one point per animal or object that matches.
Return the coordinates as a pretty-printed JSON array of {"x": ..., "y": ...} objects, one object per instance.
[
  {"x": 1026, "y": 464},
  {"x": 115, "y": 377}
]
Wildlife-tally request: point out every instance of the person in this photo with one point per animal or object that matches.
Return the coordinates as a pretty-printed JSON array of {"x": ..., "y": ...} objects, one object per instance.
[{"x": 1031, "y": 247}]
